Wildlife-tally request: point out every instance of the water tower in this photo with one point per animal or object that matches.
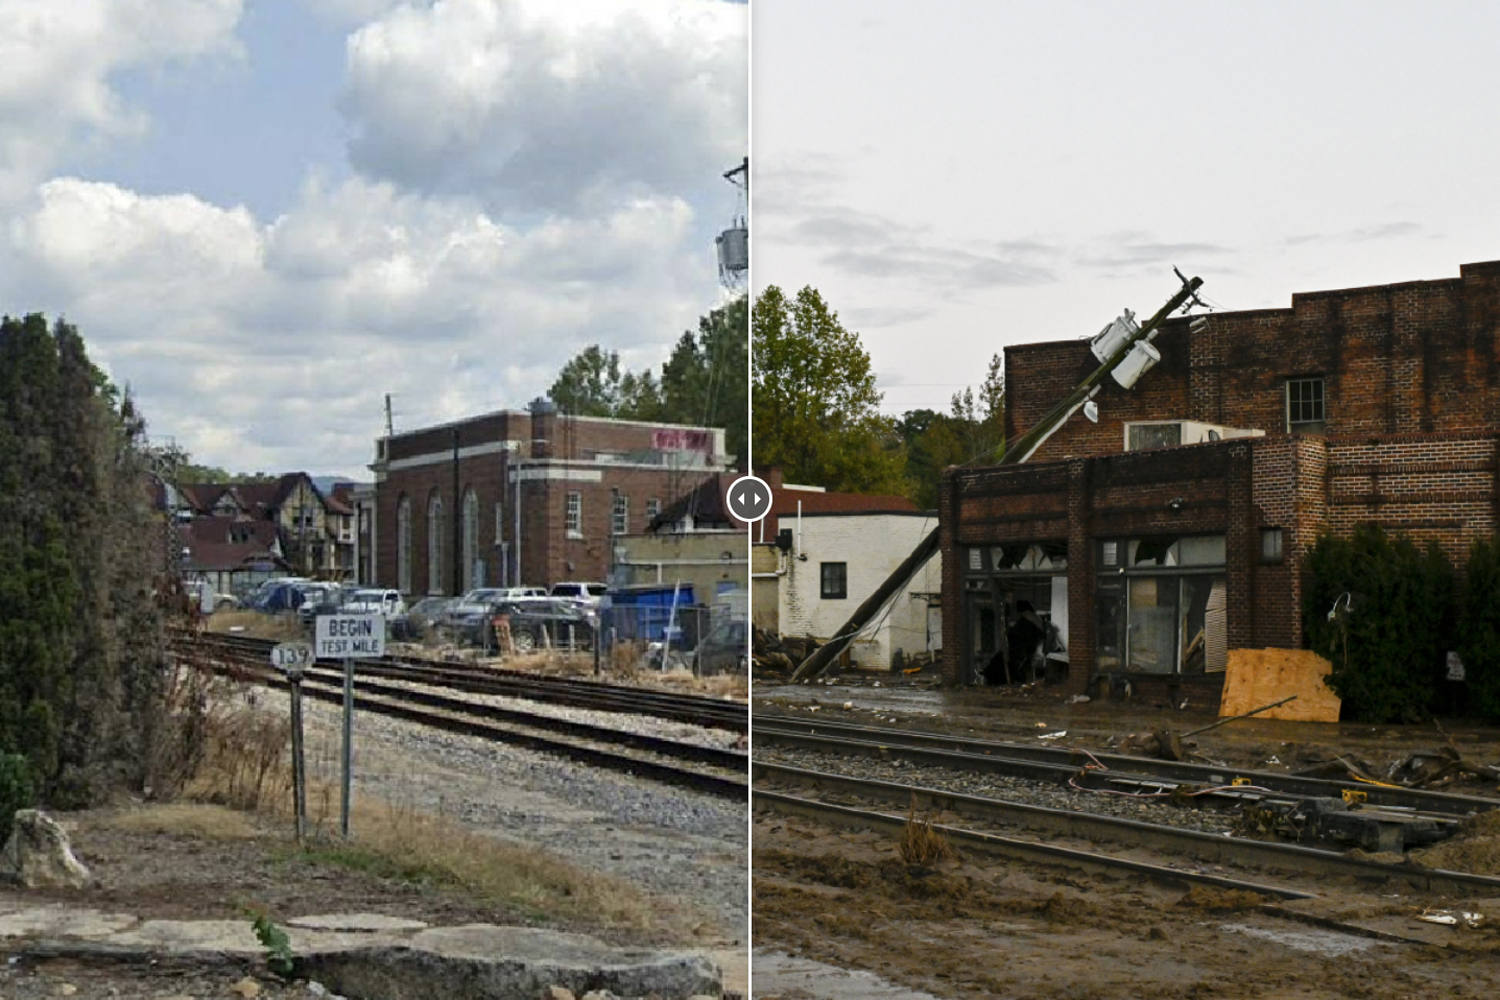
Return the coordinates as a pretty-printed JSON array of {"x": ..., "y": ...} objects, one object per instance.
[{"x": 733, "y": 244}]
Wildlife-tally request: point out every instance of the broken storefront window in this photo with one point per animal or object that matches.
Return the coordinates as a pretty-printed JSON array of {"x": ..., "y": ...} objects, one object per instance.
[
  {"x": 1016, "y": 610},
  {"x": 1162, "y": 608}
]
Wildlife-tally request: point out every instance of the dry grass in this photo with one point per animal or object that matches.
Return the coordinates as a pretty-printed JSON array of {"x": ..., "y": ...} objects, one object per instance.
[
  {"x": 253, "y": 623},
  {"x": 922, "y": 845},
  {"x": 395, "y": 841},
  {"x": 246, "y": 766},
  {"x": 187, "y": 819}
]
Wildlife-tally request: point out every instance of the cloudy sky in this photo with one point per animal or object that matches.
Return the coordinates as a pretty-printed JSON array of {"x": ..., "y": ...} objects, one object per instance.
[
  {"x": 263, "y": 215},
  {"x": 956, "y": 176}
]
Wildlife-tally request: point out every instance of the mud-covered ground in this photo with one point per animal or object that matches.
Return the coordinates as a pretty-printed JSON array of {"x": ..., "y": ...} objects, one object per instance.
[
  {"x": 987, "y": 928},
  {"x": 980, "y": 927}
]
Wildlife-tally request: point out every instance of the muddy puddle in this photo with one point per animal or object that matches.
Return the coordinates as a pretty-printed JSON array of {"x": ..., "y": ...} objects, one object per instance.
[{"x": 779, "y": 976}]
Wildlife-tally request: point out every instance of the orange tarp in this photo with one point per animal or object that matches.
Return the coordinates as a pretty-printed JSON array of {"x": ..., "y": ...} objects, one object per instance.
[{"x": 1256, "y": 677}]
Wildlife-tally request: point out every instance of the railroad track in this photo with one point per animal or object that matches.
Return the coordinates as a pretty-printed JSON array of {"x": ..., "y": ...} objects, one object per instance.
[
  {"x": 1105, "y": 771},
  {"x": 715, "y": 713},
  {"x": 1091, "y": 841},
  {"x": 704, "y": 768}
]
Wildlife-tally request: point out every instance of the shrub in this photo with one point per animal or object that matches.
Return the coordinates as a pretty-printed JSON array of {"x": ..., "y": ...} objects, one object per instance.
[
  {"x": 1388, "y": 639},
  {"x": 1479, "y": 630},
  {"x": 16, "y": 790}
]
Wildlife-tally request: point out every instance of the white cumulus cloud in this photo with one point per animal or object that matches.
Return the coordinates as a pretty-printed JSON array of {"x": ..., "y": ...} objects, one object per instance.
[
  {"x": 539, "y": 106},
  {"x": 56, "y": 63}
]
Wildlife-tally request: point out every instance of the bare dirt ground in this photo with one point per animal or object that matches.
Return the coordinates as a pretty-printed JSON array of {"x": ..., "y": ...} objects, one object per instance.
[{"x": 986, "y": 928}]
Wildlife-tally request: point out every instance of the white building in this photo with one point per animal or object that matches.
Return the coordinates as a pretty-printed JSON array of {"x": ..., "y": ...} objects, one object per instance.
[{"x": 837, "y": 559}]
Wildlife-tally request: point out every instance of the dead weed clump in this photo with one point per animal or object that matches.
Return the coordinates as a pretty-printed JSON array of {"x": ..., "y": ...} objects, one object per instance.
[
  {"x": 921, "y": 845},
  {"x": 245, "y": 761}
]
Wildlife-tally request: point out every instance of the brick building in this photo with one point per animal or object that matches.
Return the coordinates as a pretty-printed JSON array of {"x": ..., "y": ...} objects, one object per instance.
[
  {"x": 524, "y": 497},
  {"x": 1174, "y": 528}
]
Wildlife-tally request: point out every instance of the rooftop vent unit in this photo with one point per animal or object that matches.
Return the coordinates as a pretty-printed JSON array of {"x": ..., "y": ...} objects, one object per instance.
[{"x": 1143, "y": 434}]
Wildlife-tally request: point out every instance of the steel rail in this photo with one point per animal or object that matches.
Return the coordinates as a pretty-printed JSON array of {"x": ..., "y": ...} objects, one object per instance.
[
  {"x": 1025, "y": 760},
  {"x": 692, "y": 709},
  {"x": 1009, "y": 847},
  {"x": 1207, "y": 847},
  {"x": 715, "y": 756},
  {"x": 712, "y": 783}
]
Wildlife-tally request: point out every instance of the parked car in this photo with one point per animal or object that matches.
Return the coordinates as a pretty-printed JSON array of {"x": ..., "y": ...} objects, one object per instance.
[
  {"x": 281, "y": 594},
  {"x": 318, "y": 599},
  {"x": 379, "y": 601},
  {"x": 374, "y": 601},
  {"x": 201, "y": 595},
  {"x": 321, "y": 599},
  {"x": 462, "y": 615},
  {"x": 579, "y": 592},
  {"x": 536, "y": 622},
  {"x": 723, "y": 650},
  {"x": 425, "y": 615},
  {"x": 520, "y": 593}
]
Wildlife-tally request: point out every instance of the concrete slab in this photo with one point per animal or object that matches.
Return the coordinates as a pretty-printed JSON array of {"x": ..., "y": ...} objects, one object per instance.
[
  {"x": 393, "y": 959},
  {"x": 356, "y": 922},
  {"x": 61, "y": 921}
]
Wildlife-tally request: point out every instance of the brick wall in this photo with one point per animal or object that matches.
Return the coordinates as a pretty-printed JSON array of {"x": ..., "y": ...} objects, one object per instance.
[
  {"x": 1439, "y": 487},
  {"x": 571, "y": 462},
  {"x": 1413, "y": 358}
]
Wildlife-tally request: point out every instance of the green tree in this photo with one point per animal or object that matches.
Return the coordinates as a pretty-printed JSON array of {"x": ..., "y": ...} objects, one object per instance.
[
  {"x": 703, "y": 381},
  {"x": 589, "y": 384},
  {"x": 706, "y": 379},
  {"x": 933, "y": 442},
  {"x": 816, "y": 407},
  {"x": 1380, "y": 611},
  {"x": 82, "y": 662}
]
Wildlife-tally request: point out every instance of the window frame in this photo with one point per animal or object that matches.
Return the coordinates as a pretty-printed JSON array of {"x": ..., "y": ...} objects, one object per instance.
[
  {"x": 1298, "y": 410},
  {"x": 619, "y": 515},
  {"x": 827, "y": 593},
  {"x": 573, "y": 514}
]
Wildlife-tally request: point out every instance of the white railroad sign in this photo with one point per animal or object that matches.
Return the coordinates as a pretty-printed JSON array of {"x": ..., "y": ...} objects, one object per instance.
[
  {"x": 355, "y": 637},
  {"x": 291, "y": 655}
]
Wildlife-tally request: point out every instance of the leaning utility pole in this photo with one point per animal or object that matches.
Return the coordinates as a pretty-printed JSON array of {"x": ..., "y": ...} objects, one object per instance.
[{"x": 1015, "y": 452}]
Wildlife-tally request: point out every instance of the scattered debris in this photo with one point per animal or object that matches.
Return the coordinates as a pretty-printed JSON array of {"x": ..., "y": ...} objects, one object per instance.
[
  {"x": 1079, "y": 699},
  {"x": 1451, "y": 919},
  {"x": 1053, "y": 736}
]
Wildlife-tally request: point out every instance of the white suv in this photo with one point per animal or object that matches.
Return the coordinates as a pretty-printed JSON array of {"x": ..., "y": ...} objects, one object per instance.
[
  {"x": 587, "y": 594},
  {"x": 372, "y": 602}
]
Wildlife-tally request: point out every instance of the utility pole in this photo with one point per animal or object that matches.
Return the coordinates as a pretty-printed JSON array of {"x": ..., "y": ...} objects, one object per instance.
[
  {"x": 1015, "y": 452},
  {"x": 458, "y": 525}
]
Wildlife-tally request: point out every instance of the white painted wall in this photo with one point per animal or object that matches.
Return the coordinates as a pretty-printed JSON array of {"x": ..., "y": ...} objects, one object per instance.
[{"x": 872, "y": 546}]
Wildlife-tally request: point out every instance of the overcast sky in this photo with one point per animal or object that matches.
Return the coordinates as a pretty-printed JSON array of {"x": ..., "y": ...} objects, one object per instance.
[
  {"x": 956, "y": 176},
  {"x": 264, "y": 215}
]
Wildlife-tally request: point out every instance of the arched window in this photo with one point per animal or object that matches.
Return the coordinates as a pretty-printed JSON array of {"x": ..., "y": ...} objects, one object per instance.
[
  {"x": 435, "y": 544},
  {"x": 403, "y": 544},
  {"x": 471, "y": 539}
]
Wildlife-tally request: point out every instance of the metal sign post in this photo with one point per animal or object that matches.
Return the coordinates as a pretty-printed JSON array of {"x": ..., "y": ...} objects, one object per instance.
[
  {"x": 346, "y": 778},
  {"x": 292, "y": 657},
  {"x": 349, "y": 637}
]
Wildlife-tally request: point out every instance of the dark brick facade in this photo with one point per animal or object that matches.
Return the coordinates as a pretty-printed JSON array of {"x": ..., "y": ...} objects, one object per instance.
[
  {"x": 514, "y": 457},
  {"x": 1411, "y": 376},
  {"x": 1421, "y": 357}
]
